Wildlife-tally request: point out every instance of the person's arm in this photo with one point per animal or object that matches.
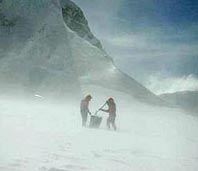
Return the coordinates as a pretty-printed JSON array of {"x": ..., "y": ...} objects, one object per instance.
[
  {"x": 84, "y": 106},
  {"x": 89, "y": 112},
  {"x": 87, "y": 106}
]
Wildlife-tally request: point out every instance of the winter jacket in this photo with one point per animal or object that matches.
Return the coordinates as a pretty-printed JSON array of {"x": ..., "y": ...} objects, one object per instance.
[
  {"x": 84, "y": 106},
  {"x": 111, "y": 110}
]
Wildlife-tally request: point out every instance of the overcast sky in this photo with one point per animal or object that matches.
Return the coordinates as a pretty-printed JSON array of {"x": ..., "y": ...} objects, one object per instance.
[{"x": 154, "y": 41}]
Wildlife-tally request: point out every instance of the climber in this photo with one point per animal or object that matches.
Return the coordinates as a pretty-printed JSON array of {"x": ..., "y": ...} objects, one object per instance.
[
  {"x": 112, "y": 113},
  {"x": 84, "y": 109}
]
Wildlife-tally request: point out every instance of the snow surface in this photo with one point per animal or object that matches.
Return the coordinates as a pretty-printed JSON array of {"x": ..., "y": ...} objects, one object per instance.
[{"x": 38, "y": 134}]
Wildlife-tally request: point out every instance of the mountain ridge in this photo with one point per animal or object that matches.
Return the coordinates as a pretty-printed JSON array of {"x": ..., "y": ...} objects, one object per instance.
[
  {"x": 187, "y": 100},
  {"x": 76, "y": 21},
  {"x": 54, "y": 59}
]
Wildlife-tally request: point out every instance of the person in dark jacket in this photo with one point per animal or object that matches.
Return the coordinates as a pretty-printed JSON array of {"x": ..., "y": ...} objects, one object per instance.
[
  {"x": 112, "y": 113},
  {"x": 84, "y": 109}
]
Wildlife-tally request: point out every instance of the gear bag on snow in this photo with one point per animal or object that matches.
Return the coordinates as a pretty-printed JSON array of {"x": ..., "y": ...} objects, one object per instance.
[{"x": 95, "y": 121}]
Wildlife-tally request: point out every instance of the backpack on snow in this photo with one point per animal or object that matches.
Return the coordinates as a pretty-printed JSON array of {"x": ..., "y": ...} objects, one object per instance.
[{"x": 95, "y": 121}]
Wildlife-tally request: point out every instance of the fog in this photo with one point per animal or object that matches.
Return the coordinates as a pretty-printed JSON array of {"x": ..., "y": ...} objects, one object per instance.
[
  {"x": 147, "y": 38},
  {"x": 39, "y": 134},
  {"x": 159, "y": 84}
]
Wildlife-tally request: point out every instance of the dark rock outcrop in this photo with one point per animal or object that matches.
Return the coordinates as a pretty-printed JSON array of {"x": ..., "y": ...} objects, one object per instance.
[
  {"x": 6, "y": 21},
  {"x": 76, "y": 21}
]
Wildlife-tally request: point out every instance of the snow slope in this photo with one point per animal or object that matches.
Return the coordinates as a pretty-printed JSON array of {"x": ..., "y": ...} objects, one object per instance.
[
  {"x": 187, "y": 100},
  {"x": 39, "y": 135},
  {"x": 43, "y": 63},
  {"x": 52, "y": 60}
]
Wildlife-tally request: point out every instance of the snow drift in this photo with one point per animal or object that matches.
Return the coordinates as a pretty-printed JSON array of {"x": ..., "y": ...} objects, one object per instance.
[{"x": 43, "y": 136}]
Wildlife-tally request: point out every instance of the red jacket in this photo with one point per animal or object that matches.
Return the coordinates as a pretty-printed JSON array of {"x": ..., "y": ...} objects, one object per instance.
[
  {"x": 84, "y": 106},
  {"x": 111, "y": 110}
]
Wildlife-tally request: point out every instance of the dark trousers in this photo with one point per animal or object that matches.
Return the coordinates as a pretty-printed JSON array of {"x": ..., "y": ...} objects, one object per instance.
[
  {"x": 111, "y": 121},
  {"x": 84, "y": 115}
]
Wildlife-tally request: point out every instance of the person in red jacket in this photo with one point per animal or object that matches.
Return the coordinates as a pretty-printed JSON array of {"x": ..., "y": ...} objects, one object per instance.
[
  {"x": 112, "y": 113},
  {"x": 84, "y": 109}
]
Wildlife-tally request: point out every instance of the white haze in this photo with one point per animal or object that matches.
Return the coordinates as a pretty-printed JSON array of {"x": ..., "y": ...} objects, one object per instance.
[
  {"x": 41, "y": 135},
  {"x": 145, "y": 51},
  {"x": 160, "y": 85}
]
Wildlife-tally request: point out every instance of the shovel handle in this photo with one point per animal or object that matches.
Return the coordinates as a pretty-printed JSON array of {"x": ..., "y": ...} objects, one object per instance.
[{"x": 100, "y": 108}]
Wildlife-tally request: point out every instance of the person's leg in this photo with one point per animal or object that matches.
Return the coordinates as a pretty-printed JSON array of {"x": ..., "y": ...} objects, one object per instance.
[
  {"x": 83, "y": 122},
  {"x": 113, "y": 124},
  {"x": 108, "y": 123},
  {"x": 84, "y": 118}
]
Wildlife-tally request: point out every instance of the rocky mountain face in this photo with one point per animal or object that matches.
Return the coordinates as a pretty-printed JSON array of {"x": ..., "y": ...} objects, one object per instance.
[
  {"x": 4, "y": 20},
  {"x": 52, "y": 52},
  {"x": 76, "y": 21}
]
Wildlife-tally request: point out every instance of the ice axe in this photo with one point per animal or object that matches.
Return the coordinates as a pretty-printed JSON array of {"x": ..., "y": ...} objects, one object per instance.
[{"x": 100, "y": 108}]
